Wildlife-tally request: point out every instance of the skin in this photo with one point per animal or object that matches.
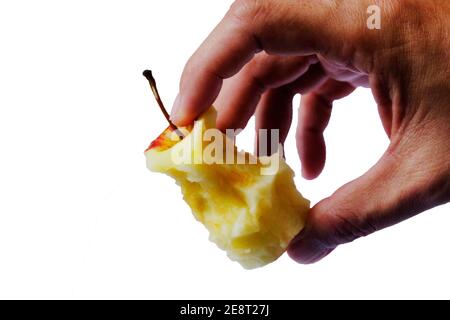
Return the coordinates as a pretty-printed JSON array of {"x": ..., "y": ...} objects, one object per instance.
[{"x": 264, "y": 52}]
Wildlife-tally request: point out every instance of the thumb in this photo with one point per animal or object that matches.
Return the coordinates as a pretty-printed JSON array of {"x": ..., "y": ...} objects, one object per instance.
[{"x": 403, "y": 183}]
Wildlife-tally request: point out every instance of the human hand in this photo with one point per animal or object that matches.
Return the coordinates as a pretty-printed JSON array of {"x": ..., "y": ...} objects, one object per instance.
[{"x": 270, "y": 50}]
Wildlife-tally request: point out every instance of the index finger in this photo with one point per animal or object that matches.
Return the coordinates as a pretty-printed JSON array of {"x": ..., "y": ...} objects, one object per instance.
[{"x": 250, "y": 26}]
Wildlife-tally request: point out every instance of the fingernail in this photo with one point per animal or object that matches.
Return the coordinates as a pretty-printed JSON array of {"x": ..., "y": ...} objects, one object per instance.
[
  {"x": 175, "y": 108},
  {"x": 297, "y": 238},
  {"x": 307, "y": 251}
]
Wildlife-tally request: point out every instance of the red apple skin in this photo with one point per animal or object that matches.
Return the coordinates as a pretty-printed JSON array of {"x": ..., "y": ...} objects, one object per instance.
[
  {"x": 166, "y": 140},
  {"x": 162, "y": 142}
]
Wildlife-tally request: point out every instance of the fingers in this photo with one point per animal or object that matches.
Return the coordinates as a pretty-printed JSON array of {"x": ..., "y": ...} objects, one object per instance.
[
  {"x": 314, "y": 114},
  {"x": 240, "y": 94},
  {"x": 274, "y": 111},
  {"x": 277, "y": 27},
  {"x": 399, "y": 186}
]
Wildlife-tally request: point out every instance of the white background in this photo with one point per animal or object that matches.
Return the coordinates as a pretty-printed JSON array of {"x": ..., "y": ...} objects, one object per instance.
[{"x": 80, "y": 215}]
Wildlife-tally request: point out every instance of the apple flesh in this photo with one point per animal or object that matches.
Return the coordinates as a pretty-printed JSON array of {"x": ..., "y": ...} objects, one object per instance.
[{"x": 252, "y": 217}]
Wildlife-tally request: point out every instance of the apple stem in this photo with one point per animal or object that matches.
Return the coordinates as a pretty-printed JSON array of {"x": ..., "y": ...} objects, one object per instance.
[{"x": 149, "y": 76}]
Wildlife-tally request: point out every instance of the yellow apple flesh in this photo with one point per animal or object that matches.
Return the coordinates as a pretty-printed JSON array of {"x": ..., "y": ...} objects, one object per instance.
[{"x": 251, "y": 216}]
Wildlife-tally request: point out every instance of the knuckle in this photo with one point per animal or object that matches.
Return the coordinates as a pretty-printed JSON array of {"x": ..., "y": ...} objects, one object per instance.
[
  {"x": 247, "y": 10},
  {"x": 342, "y": 225},
  {"x": 351, "y": 226}
]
